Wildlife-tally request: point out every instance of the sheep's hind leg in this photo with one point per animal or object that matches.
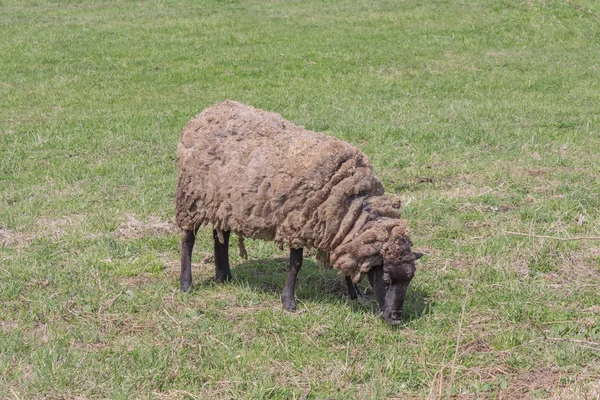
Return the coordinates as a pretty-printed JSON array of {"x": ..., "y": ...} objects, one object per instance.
[
  {"x": 353, "y": 290},
  {"x": 187, "y": 245},
  {"x": 222, "y": 270},
  {"x": 288, "y": 297}
]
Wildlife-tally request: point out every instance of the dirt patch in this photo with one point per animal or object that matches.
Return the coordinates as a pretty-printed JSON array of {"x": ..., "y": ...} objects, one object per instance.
[
  {"x": 14, "y": 239},
  {"x": 551, "y": 383},
  {"x": 140, "y": 280},
  {"x": 135, "y": 228},
  {"x": 556, "y": 265},
  {"x": 59, "y": 227},
  {"x": 536, "y": 171},
  {"x": 476, "y": 346},
  {"x": 578, "y": 267},
  {"x": 470, "y": 191},
  {"x": 124, "y": 325},
  {"x": 437, "y": 262},
  {"x": 547, "y": 171},
  {"x": 522, "y": 386},
  {"x": 43, "y": 228},
  {"x": 7, "y": 326},
  {"x": 504, "y": 382}
]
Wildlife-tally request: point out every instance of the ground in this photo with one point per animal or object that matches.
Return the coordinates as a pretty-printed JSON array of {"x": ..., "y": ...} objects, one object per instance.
[{"x": 481, "y": 116}]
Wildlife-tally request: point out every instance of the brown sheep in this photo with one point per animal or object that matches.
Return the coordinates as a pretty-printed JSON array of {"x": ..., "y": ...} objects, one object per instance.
[{"x": 251, "y": 172}]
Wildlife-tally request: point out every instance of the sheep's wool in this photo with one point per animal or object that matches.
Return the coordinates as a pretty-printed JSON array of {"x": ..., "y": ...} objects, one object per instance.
[{"x": 260, "y": 176}]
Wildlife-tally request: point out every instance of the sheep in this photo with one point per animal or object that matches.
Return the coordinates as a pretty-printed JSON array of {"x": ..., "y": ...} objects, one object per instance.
[{"x": 253, "y": 173}]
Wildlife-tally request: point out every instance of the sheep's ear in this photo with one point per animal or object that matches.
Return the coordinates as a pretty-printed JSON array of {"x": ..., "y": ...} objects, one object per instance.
[{"x": 417, "y": 255}]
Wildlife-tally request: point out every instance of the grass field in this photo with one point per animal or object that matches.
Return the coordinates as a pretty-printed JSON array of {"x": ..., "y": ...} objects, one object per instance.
[{"x": 482, "y": 115}]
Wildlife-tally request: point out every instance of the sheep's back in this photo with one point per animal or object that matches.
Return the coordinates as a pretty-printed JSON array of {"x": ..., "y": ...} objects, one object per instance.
[{"x": 252, "y": 172}]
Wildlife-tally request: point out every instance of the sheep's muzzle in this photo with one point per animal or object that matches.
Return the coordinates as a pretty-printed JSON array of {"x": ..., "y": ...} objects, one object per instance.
[{"x": 392, "y": 317}]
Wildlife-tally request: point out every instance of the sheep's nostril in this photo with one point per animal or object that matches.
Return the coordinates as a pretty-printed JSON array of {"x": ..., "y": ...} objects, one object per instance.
[{"x": 393, "y": 317}]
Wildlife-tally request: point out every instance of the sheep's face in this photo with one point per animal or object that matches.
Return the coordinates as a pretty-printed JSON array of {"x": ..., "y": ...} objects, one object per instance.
[{"x": 390, "y": 281}]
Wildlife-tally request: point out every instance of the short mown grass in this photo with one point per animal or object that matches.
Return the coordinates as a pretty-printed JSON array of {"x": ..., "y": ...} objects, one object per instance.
[{"x": 482, "y": 115}]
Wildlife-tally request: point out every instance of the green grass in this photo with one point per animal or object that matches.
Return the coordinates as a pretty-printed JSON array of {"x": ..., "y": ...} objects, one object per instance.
[{"x": 483, "y": 115}]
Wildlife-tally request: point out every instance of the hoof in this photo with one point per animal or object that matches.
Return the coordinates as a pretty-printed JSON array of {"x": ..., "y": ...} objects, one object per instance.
[
  {"x": 223, "y": 278},
  {"x": 355, "y": 294},
  {"x": 353, "y": 289},
  {"x": 185, "y": 286},
  {"x": 289, "y": 304}
]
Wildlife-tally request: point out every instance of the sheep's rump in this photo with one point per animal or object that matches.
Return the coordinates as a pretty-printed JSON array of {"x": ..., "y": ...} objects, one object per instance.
[{"x": 260, "y": 176}]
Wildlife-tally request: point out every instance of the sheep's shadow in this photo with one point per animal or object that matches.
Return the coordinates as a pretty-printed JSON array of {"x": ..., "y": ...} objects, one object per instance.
[{"x": 314, "y": 284}]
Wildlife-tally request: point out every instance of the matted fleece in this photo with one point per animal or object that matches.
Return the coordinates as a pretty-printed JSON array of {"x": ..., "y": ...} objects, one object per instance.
[{"x": 260, "y": 176}]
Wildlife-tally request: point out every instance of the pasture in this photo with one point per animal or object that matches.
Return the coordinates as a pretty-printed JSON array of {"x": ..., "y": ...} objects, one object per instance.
[{"x": 482, "y": 115}]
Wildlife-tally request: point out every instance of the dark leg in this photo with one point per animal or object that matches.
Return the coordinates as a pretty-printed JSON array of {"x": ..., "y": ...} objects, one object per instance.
[
  {"x": 222, "y": 271},
  {"x": 187, "y": 244},
  {"x": 353, "y": 290},
  {"x": 287, "y": 297}
]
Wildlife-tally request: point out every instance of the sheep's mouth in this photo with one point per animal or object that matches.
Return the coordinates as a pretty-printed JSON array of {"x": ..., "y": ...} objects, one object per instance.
[{"x": 392, "y": 317}]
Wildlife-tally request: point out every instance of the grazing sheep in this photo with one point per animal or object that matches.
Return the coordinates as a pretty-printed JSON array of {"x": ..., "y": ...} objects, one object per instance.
[{"x": 251, "y": 172}]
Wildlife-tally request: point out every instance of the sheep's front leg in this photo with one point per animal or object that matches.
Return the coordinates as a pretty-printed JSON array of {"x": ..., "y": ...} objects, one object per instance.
[
  {"x": 287, "y": 297},
  {"x": 222, "y": 271},
  {"x": 353, "y": 290},
  {"x": 187, "y": 245}
]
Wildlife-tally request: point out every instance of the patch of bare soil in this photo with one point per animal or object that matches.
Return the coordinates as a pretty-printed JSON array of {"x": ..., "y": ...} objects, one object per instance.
[
  {"x": 58, "y": 227},
  {"x": 14, "y": 239},
  {"x": 476, "y": 346},
  {"x": 546, "y": 382},
  {"x": 523, "y": 385},
  {"x": 578, "y": 267},
  {"x": 551, "y": 383},
  {"x": 440, "y": 264},
  {"x": 140, "y": 280},
  {"x": 135, "y": 228},
  {"x": 7, "y": 326},
  {"x": 469, "y": 191},
  {"x": 44, "y": 227}
]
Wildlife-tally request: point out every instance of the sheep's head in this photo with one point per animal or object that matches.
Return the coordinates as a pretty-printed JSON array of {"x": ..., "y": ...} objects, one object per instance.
[
  {"x": 390, "y": 281},
  {"x": 382, "y": 251}
]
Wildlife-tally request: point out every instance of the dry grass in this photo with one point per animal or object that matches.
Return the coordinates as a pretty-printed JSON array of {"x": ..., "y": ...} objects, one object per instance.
[{"x": 135, "y": 228}]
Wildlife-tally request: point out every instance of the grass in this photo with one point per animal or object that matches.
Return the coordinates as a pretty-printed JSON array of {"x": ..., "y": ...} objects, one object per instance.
[{"x": 482, "y": 115}]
